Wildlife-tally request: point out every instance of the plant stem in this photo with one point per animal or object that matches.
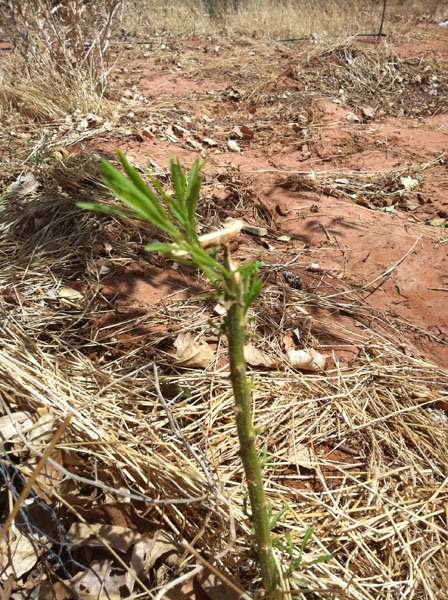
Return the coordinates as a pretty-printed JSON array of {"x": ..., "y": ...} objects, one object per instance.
[{"x": 235, "y": 330}]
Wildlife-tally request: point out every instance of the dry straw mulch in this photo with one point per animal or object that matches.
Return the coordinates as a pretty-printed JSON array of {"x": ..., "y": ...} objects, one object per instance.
[{"x": 357, "y": 453}]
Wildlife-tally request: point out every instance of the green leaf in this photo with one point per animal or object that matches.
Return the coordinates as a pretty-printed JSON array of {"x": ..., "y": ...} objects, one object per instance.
[
  {"x": 138, "y": 181},
  {"x": 290, "y": 545},
  {"x": 136, "y": 196},
  {"x": 253, "y": 288},
  {"x": 178, "y": 177},
  {"x": 108, "y": 209},
  {"x": 306, "y": 537},
  {"x": 162, "y": 248},
  {"x": 194, "y": 185},
  {"x": 324, "y": 558},
  {"x": 276, "y": 518}
]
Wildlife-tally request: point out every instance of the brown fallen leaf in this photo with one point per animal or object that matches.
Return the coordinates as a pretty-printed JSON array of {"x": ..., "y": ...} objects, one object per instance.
[
  {"x": 214, "y": 588},
  {"x": 190, "y": 353},
  {"x": 91, "y": 534},
  {"x": 301, "y": 455},
  {"x": 150, "y": 549},
  {"x": 258, "y": 358}
]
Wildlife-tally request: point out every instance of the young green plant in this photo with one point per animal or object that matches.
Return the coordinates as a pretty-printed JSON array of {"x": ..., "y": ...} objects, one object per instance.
[{"x": 236, "y": 285}]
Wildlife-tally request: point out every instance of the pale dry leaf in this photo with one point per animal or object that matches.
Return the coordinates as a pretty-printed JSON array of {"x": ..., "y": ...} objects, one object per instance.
[
  {"x": 216, "y": 589},
  {"x": 192, "y": 353},
  {"x": 308, "y": 360},
  {"x": 233, "y": 146},
  {"x": 301, "y": 455},
  {"x": 99, "y": 579},
  {"x": 24, "y": 184},
  {"x": 90, "y": 534},
  {"x": 259, "y": 231},
  {"x": 220, "y": 309},
  {"x": 10, "y": 425},
  {"x": 258, "y": 358},
  {"x": 149, "y": 549},
  {"x": 69, "y": 293},
  {"x": 42, "y": 431},
  {"x": 409, "y": 183},
  {"x": 17, "y": 557}
]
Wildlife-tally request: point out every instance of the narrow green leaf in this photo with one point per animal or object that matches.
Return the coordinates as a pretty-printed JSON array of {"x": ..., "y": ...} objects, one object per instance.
[
  {"x": 193, "y": 188},
  {"x": 306, "y": 537},
  {"x": 290, "y": 545},
  {"x": 324, "y": 558},
  {"x": 130, "y": 195},
  {"x": 108, "y": 209},
  {"x": 138, "y": 181},
  {"x": 178, "y": 177},
  {"x": 162, "y": 248},
  {"x": 276, "y": 518},
  {"x": 135, "y": 193},
  {"x": 253, "y": 289}
]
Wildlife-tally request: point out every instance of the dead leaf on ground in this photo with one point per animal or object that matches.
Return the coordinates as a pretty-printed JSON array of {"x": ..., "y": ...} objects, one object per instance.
[
  {"x": 151, "y": 548},
  {"x": 214, "y": 588},
  {"x": 233, "y": 146},
  {"x": 301, "y": 455},
  {"x": 92, "y": 534},
  {"x": 69, "y": 293},
  {"x": 17, "y": 557},
  {"x": 23, "y": 185},
  {"x": 192, "y": 353},
  {"x": 18, "y": 422},
  {"x": 308, "y": 360},
  {"x": 99, "y": 581},
  {"x": 258, "y": 358},
  {"x": 54, "y": 591}
]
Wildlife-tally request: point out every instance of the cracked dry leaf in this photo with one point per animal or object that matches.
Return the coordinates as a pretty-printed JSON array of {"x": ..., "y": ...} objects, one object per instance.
[
  {"x": 192, "y": 353},
  {"x": 301, "y": 455},
  {"x": 409, "y": 183},
  {"x": 70, "y": 293}
]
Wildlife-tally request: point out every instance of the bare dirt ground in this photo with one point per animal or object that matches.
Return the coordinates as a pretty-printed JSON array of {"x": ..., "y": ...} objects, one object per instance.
[
  {"x": 336, "y": 155},
  {"x": 326, "y": 171}
]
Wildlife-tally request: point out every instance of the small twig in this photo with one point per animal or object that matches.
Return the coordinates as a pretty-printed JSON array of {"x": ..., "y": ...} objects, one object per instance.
[{"x": 385, "y": 276}]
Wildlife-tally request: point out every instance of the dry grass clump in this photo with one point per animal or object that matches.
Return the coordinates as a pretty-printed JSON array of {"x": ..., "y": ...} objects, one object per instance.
[
  {"x": 70, "y": 36},
  {"x": 53, "y": 79},
  {"x": 359, "y": 453},
  {"x": 378, "y": 78},
  {"x": 290, "y": 18}
]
